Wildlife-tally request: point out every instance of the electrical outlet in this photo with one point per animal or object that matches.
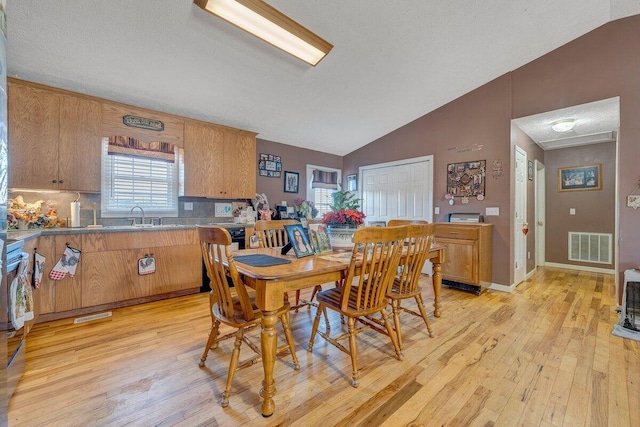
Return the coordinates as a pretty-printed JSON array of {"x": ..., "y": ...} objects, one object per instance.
[
  {"x": 188, "y": 206},
  {"x": 572, "y": 211},
  {"x": 528, "y": 254},
  {"x": 437, "y": 210}
]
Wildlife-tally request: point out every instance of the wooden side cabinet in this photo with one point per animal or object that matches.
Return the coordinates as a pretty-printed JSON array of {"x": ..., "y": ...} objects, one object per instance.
[{"x": 468, "y": 249}]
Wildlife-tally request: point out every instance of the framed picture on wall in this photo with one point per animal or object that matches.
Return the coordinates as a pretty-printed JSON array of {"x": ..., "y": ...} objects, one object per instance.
[
  {"x": 530, "y": 170},
  {"x": 580, "y": 178},
  {"x": 291, "y": 182},
  {"x": 352, "y": 182}
]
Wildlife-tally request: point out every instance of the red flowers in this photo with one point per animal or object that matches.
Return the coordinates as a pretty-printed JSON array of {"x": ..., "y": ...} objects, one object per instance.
[{"x": 344, "y": 217}]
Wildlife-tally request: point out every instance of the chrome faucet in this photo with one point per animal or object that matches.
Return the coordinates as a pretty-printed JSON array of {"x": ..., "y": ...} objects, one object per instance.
[{"x": 141, "y": 210}]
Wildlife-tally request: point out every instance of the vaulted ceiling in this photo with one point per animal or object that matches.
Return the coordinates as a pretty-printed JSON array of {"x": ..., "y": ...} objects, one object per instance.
[{"x": 393, "y": 61}]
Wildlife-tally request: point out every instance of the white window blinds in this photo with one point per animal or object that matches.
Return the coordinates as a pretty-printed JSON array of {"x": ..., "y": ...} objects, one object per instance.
[{"x": 128, "y": 181}]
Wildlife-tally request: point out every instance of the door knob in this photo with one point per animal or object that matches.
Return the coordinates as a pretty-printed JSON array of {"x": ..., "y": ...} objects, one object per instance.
[{"x": 540, "y": 223}]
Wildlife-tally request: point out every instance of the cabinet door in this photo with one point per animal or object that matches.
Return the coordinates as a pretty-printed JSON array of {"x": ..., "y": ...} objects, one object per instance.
[
  {"x": 33, "y": 120},
  {"x": 68, "y": 291},
  {"x": 203, "y": 161},
  {"x": 112, "y": 276},
  {"x": 80, "y": 144},
  {"x": 461, "y": 263},
  {"x": 240, "y": 165},
  {"x": 46, "y": 300},
  {"x": 177, "y": 268}
]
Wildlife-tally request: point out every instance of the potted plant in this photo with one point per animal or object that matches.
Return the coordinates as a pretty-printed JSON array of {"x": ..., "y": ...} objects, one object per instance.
[{"x": 343, "y": 220}]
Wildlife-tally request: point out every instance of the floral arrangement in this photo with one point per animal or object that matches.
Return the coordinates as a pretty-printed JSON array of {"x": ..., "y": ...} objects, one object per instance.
[
  {"x": 305, "y": 208},
  {"x": 344, "y": 211}
]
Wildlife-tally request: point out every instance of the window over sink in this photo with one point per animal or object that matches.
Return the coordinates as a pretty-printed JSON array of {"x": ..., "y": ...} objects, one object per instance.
[{"x": 135, "y": 173}]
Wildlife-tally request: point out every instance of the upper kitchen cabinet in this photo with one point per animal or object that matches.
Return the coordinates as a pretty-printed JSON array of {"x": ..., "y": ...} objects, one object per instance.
[
  {"x": 54, "y": 139},
  {"x": 219, "y": 162}
]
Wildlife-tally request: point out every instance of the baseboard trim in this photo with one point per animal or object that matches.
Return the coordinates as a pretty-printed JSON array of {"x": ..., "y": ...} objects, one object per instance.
[
  {"x": 580, "y": 267},
  {"x": 501, "y": 288}
]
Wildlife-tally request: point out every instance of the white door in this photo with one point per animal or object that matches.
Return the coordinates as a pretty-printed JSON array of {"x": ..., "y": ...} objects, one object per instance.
[
  {"x": 520, "y": 217},
  {"x": 540, "y": 213},
  {"x": 398, "y": 190}
]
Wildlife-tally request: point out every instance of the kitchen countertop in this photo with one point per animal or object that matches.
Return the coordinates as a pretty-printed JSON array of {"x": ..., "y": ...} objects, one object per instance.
[{"x": 35, "y": 232}]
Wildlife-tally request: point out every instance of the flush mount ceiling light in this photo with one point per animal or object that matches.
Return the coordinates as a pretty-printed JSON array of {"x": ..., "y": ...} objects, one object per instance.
[
  {"x": 564, "y": 125},
  {"x": 269, "y": 24}
]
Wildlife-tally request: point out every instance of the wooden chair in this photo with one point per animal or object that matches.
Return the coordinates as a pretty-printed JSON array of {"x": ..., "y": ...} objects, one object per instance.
[
  {"x": 233, "y": 306},
  {"x": 272, "y": 234},
  {"x": 364, "y": 290},
  {"x": 405, "y": 284}
]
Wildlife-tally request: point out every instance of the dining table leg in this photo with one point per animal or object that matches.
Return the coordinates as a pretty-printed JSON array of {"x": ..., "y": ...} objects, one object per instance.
[{"x": 269, "y": 343}]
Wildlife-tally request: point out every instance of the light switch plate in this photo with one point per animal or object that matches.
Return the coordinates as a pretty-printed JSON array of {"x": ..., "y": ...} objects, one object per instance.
[
  {"x": 572, "y": 211},
  {"x": 492, "y": 211},
  {"x": 437, "y": 210}
]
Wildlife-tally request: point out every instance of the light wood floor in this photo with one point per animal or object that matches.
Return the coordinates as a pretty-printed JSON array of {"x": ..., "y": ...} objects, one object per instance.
[{"x": 540, "y": 356}]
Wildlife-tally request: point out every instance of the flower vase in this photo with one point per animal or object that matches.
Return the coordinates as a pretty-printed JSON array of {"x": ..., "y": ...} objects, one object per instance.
[{"x": 340, "y": 238}]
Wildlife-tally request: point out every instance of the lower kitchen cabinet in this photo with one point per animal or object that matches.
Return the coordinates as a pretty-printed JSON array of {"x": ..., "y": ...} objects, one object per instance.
[
  {"x": 110, "y": 265},
  {"x": 468, "y": 249},
  {"x": 107, "y": 274}
]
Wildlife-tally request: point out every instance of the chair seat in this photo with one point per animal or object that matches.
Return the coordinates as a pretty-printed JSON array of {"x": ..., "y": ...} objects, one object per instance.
[
  {"x": 238, "y": 318},
  {"x": 331, "y": 297},
  {"x": 397, "y": 294}
]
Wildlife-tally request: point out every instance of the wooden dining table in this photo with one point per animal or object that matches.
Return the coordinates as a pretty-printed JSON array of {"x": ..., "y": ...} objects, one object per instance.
[{"x": 272, "y": 282}]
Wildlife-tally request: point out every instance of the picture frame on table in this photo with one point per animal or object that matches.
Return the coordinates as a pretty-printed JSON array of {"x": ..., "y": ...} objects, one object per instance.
[
  {"x": 319, "y": 238},
  {"x": 291, "y": 182},
  {"x": 299, "y": 240},
  {"x": 580, "y": 178}
]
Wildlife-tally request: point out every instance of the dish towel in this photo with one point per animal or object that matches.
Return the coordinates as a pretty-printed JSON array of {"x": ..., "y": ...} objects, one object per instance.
[{"x": 67, "y": 264}]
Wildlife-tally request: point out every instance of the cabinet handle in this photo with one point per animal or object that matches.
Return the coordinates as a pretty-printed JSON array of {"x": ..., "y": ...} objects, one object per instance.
[
  {"x": 55, "y": 181},
  {"x": 454, "y": 232},
  {"x": 60, "y": 181}
]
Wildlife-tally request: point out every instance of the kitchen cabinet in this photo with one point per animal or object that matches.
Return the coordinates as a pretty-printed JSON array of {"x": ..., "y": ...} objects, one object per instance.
[
  {"x": 468, "y": 249},
  {"x": 110, "y": 265},
  {"x": 56, "y": 296},
  {"x": 54, "y": 139},
  {"x": 219, "y": 162}
]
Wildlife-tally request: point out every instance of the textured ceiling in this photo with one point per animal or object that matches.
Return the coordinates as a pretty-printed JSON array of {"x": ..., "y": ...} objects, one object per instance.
[
  {"x": 393, "y": 61},
  {"x": 594, "y": 122}
]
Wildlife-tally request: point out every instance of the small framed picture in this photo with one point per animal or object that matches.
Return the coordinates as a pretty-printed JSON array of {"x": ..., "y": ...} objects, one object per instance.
[
  {"x": 291, "y": 180},
  {"x": 319, "y": 238},
  {"x": 299, "y": 240},
  {"x": 352, "y": 182},
  {"x": 530, "y": 170}
]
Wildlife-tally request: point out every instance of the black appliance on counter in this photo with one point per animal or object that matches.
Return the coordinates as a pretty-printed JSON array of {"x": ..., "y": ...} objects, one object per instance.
[{"x": 237, "y": 236}]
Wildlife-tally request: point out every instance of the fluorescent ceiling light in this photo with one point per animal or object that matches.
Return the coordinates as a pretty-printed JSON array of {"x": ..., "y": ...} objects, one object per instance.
[
  {"x": 272, "y": 26},
  {"x": 564, "y": 125},
  {"x": 575, "y": 141}
]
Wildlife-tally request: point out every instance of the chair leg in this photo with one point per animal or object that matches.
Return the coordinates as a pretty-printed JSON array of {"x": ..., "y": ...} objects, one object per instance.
[
  {"x": 213, "y": 339},
  {"x": 392, "y": 335},
  {"x": 353, "y": 351},
  {"x": 297, "y": 300},
  {"x": 287, "y": 333},
  {"x": 395, "y": 305},
  {"x": 423, "y": 313},
  {"x": 233, "y": 364},
  {"x": 314, "y": 329}
]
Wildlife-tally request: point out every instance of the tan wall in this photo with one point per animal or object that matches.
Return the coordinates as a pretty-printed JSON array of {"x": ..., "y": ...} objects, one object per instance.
[
  {"x": 594, "y": 209},
  {"x": 294, "y": 159},
  {"x": 599, "y": 65}
]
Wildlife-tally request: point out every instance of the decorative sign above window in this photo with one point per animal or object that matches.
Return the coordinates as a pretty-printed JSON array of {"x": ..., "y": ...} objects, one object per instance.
[
  {"x": 270, "y": 165},
  {"x": 466, "y": 179},
  {"x": 143, "y": 123}
]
